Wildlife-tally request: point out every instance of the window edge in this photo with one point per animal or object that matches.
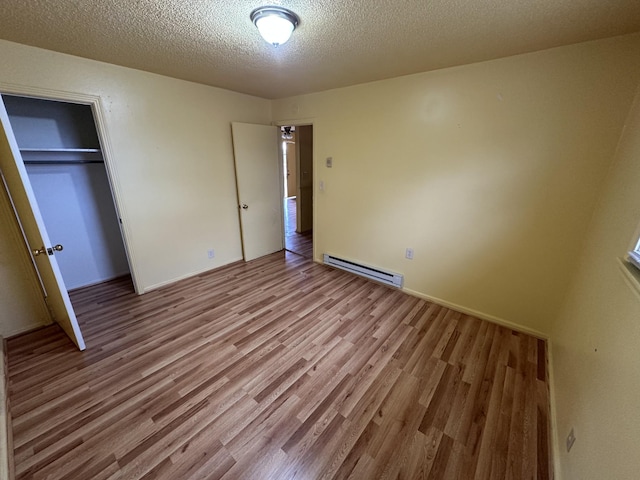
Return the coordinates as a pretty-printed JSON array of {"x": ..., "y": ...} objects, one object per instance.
[{"x": 631, "y": 271}]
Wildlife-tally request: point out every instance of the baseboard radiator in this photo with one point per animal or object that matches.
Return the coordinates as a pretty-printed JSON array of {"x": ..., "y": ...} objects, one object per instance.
[{"x": 389, "y": 278}]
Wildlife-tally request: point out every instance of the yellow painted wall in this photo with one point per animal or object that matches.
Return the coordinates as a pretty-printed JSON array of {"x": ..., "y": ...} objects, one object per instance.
[
  {"x": 596, "y": 340},
  {"x": 172, "y": 156},
  {"x": 488, "y": 171}
]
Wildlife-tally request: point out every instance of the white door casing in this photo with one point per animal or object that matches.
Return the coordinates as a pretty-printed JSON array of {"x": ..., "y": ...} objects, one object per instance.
[
  {"x": 24, "y": 202},
  {"x": 259, "y": 182}
]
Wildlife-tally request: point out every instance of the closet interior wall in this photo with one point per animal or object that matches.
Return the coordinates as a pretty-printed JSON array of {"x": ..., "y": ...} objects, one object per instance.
[{"x": 61, "y": 150}]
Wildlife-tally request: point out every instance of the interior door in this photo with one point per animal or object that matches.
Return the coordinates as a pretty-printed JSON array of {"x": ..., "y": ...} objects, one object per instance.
[
  {"x": 24, "y": 202},
  {"x": 259, "y": 181}
]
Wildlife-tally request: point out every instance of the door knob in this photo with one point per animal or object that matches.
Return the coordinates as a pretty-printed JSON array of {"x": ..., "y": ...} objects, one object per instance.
[
  {"x": 244, "y": 206},
  {"x": 42, "y": 250}
]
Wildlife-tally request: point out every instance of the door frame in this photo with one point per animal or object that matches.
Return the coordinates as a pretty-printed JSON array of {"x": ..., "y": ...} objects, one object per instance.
[
  {"x": 95, "y": 102},
  {"x": 314, "y": 167}
]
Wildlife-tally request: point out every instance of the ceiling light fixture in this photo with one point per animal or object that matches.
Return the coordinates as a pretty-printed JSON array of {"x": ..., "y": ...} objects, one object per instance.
[
  {"x": 287, "y": 132},
  {"x": 275, "y": 24}
]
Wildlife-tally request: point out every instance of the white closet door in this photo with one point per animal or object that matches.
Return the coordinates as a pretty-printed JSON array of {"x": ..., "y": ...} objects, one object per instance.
[{"x": 24, "y": 202}]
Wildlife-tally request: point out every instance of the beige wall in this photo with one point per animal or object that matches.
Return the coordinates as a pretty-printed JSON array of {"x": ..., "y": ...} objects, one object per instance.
[
  {"x": 488, "y": 171},
  {"x": 596, "y": 341},
  {"x": 172, "y": 156}
]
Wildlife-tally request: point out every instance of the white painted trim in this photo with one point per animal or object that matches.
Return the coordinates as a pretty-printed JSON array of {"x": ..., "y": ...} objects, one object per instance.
[
  {"x": 281, "y": 192},
  {"x": 189, "y": 275},
  {"x": 112, "y": 175},
  {"x": 46, "y": 93},
  {"x": 478, "y": 314},
  {"x": 553, "y": 419},
  {"x": 301, "y": 122},
  {"x": 95, "y": 102}
]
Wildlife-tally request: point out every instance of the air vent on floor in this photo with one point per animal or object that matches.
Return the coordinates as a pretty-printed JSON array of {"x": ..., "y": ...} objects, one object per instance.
[{"x": 389, "y": 278}]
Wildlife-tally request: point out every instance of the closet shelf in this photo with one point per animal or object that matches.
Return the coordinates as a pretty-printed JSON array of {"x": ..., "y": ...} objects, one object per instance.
[
  {"x": 59, "y": 149},
  {"x": 66, "y": 155}
]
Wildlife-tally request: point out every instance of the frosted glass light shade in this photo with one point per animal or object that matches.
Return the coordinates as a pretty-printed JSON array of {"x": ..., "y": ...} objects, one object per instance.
[
  {"x": 275, "y": 30},
  {"x": 275, "y": 24}
]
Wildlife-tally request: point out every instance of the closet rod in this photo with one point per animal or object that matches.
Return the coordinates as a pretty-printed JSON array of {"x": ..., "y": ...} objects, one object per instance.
[{"x": 60, "y": 162}]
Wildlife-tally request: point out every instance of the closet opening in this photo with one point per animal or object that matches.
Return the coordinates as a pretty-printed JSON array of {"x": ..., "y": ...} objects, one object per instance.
[{"x": 61, "y": 150}]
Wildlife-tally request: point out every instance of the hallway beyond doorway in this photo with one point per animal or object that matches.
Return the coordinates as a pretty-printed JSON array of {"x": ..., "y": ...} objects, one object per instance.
[{"x": 300, "y": 243}]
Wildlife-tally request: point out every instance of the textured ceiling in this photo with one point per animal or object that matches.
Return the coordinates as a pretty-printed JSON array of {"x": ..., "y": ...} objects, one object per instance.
[{"x": 338, "y": 43}]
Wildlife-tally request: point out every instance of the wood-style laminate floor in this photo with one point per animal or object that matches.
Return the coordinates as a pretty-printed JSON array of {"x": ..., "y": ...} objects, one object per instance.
[
  {"x": 277, "y": 369},
  {"x": 300, "y": 243}
]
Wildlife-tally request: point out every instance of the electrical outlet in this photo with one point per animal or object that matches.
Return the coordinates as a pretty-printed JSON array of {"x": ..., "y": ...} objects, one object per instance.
[
  {"x": 571, "y": 439},
  {"x": 408, "y": 253},
  {"x": 211, "y": 253}
]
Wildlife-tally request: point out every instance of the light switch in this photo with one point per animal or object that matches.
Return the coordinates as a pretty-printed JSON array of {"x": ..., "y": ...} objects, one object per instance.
[{"x": 329, "y": 162}]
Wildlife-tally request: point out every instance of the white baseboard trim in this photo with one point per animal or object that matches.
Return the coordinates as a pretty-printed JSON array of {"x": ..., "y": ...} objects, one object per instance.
[
  {"x": 6, "y": 443},
  {"x": 481, "y": 315},
  {"x": 188, "y": 275}
]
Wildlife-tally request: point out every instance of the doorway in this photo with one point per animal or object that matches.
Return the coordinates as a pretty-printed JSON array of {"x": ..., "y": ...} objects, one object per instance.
[
  {"x": 60, "y": 148},
  {"x": 71, "y": 147},
  {"x": 296, "y": 146}
]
